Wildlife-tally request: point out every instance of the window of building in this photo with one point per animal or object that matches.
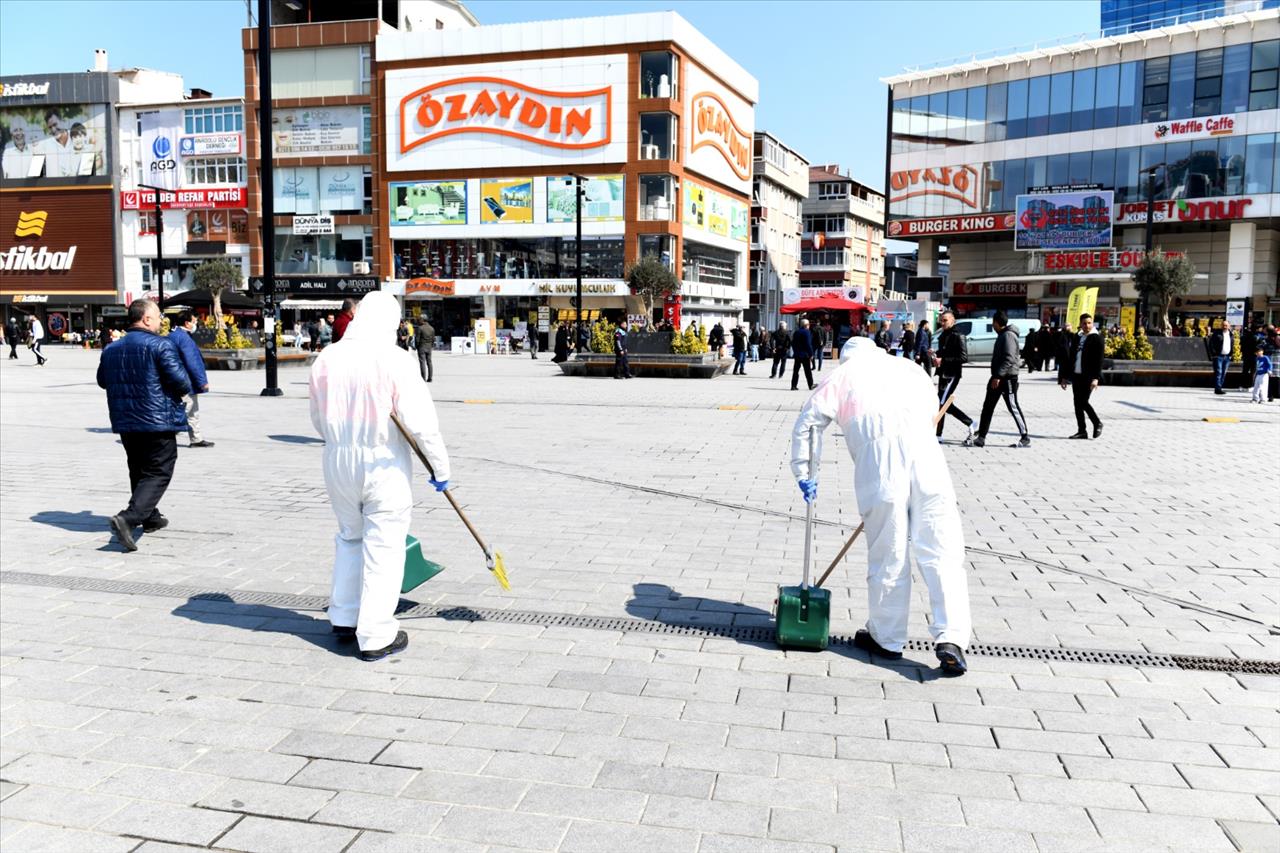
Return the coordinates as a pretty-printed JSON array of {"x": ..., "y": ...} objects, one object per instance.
[
  {"x": 1177, "y": 159},
  {"x": 1107, "y": 96},
  {"x": 976, "y": 114},
  {"x": 919, "y": 121},
  {"x": 1129, "y": 108},
  {"x": 1102, "y": 168},
  {"x": 1079, "y": 167},
  {"x": 709, "y": 264},
  {"x": 1182, "y": 85},
  {"x": 833, "y": 225},
  {"x": 1037, "y": 172},
  {"x": 937, "y": 115},
  {"x": 828, "y": 190},
  {"x": 955, "y": 131},
  {"x": 317, "y": 254},
  {"x": 997, "y": 109},
  {"x": 527, "y": 257},
  {"x": 215, "y": 170},
  {"x": 223, "y": 119},
  {"x": 1264, "y": 76},
  {"x": 1235, "y": 78},
  {"x": 1153, "y": 171},
  {"x": 1259, "y": 163},
  {"x": 1060, "y": 102},
  {"x": 658, "y": 77},
  {"x": 367, "y": 203},
  {"x": 1059, "y": 171},
  {"x": 366, "y": 69},
  {"x": 1014, "y": 184},
  {"x": 658, "y": 133},
  {"x": 824, "y": 257},
  {"x": 366, "y": 130},
  {"x": 657, "y": 246},
  {"x": 1155, "y": 89},
  {"x": 1208, "y": 91},
  {"x": 320, "y": 71},
  {"x": 1017, "y": 108},
  {"x": 657, "y": 197},
  {"x": 1126, "y": 180},
  {"x": 1083, "y": 85},
  {"x": 1038, "y": 107}
]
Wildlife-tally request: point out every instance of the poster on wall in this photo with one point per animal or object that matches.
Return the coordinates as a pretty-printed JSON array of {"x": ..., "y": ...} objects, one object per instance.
[
  {"x": 316, "y": 131},
  {"x": 602, "y": 199},
  {"x": 715, "y": 212},
  {"x": 1063, "y": 220},
  {"x": 739, "y": 221},
  {"x": 507, "y": 200},
  {"x": 62, "y": 141},
  {"x": 718, "y": 216},
  {"x": 218, "y": 221},
  {"x": 695, "y": 205},
  {"x": 429, "y": 203},
  {"x": 238, "y": 223},
  {"x": 197, "y": 225},
  {"x": 341, "y": 188},
  {"x": 159, "y": 139}
]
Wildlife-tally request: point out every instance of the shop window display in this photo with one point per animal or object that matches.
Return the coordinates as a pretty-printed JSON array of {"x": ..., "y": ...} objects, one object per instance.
[{"x": 510, "y": 258}]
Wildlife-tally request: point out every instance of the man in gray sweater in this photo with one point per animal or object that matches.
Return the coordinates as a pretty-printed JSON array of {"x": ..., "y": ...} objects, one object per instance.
[{"x": 1004, "y": 381}]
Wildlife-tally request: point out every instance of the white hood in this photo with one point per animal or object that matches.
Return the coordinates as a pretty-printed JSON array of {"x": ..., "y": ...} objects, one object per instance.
[
  {"x": 377, "y": 318},
  {"x": 857, "y": 346}
]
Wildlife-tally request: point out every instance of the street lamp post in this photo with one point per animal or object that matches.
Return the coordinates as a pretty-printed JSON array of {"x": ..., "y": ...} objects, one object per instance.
[
  {"x": 159, "y": 242},
  {"x": 577, "y": 208},
  {"x": 270, "y": 313},
  {"x": 1149, "y": 238}
]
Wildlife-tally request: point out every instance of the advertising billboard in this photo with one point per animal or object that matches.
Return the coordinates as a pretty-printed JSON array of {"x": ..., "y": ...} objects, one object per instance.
[
  {"x": 317, "y": 131},
  {"x": 160, "y": 132},
  {"x": 429, "y": 203},
  {"x": 1063, "y": 220},
  {"x": 57, "y": 242},
  {"x": 717, "y": 130},
  {"x": 506, "y": 200},
  {"x": 714, "y": 212},
  {"x": 602, "y": 199},
  {"x": 53, "y": 141}
]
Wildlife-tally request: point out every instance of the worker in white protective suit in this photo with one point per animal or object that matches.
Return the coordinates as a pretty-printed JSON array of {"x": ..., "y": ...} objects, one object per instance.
[
  {"x": 355, "y": 386},
  {"x": 885, "y": 406}
]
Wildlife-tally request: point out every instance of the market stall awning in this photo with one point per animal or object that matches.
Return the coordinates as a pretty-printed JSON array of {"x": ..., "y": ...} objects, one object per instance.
[
  {"x": 824, "y": 303},
  {"x": 196, "y": 298}
]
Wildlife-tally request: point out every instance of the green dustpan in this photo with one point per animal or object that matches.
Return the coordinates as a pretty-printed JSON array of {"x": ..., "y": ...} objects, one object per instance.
[{"x": 417, "y": 568}]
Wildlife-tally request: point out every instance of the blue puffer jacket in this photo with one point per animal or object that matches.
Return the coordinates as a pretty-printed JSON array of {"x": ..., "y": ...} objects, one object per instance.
[
  {"x": 145, "y": 381},
  {"x": 191, "y": 358}
]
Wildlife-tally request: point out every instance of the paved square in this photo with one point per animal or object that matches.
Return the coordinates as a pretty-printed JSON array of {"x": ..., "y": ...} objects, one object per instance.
[{"x": 135, "y": 717}]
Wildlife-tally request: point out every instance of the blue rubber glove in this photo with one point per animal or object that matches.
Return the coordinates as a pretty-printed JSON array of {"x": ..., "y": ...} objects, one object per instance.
[
  {"x": 440, "y": 485},
  {"x": 809, "y": 488}
]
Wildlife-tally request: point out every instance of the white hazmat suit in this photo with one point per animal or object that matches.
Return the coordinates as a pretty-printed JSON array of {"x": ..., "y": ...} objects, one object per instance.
[
  {"x": 355, "y": 386},
  {"x": 885, "y": 406}
]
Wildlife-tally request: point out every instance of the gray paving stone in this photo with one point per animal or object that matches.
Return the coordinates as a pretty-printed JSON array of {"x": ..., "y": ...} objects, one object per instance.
[
  {"x": 1146, "y": 749},
  {"x": 897, "y": 751},
  {"x": 936, "y": 839},
  {"x": 381, "y": 842},
  {"x": 1024, "y": 816},
  {"x": 947, "y": 733},
  {"x": 951, "y": 781},
  {"x": 40, "y": 838},
  {"x": 900, "y": 805},
  {"x": 543, "y": 768},
  {"x": 169, "y": 822},
  {"x": 605, "y": 747},
  {"x": 247, "y": 764},
  {"x": 600, "y": 837},
  {"x": 1123, "y": 770},
  {"x": 152, "y": 783},
  {"x": 465, "y": 789},
  {"x": 707, "y": 815},
  {"x": 736, "y": 843},
  {"x": 842, "y": 830},
  {"x": 460, "y": 759},
  {"x": 584, "y": 803},
  {"x": 58, "y": 770},
  {"x": 265, "y": 835},
  {"x": 1199, "y": 803},
  {"x": 76, "y": 809},
  {"x": 1253, "y": 836},
  {"x": 1005, "y": 760},
  {"x": 1170, "y": 830},
  {"x": 1060, "y": 743},
  {"x": 538, "y": 741},
  {"x": 348, "y": 776},
  {"x": 388, "y": 814},
  {"x": 492, "y": 826},
  {"x": 326, "y": 745},
  {"x": 1229, "y": 779},
  {"x": 1248, "y": 758},
  {"x": 1077, "y": 792},
  {"x": 265, "y": 798},
  {"x": 670, "y": 781}
]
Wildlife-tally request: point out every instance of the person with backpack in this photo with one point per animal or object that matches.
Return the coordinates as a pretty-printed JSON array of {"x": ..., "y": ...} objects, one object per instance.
[
  {"x": 621, "y": 369},
  {"x": 950, "y": 356}
]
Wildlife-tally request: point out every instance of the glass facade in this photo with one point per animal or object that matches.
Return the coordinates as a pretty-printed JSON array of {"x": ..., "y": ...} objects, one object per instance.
[
  {"x": 1235, "y": 79},
  {"x": 513, "y": 257},
  {"x": 1129, "y": 16}
]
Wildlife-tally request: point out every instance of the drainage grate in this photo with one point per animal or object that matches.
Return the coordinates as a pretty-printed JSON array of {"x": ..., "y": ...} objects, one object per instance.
[{"x": 762, "y": 634}]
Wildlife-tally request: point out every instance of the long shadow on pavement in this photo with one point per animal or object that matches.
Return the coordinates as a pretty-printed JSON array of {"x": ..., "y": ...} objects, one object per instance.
[
  {"x": 78, "y": 522},
  {"x": 658, "y": 602},
  {"x": 297, "y": 439},
  {"x": 219, "y": 609}
]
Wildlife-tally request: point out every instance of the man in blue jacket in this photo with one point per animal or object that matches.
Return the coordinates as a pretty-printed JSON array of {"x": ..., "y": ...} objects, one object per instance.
[
  {"x": 802, "y": 352},
  {"x": 145, "y": 383},
  {"x": 194, "y": 362}
]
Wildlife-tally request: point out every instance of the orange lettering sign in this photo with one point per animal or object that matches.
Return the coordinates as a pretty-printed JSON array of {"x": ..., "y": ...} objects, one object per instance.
[
  {"x": 954, "y": 182},
  {"x": 714, "y": 126},
  {"x": 571, "y": 120},
  {"x": 428, "y": 285}
]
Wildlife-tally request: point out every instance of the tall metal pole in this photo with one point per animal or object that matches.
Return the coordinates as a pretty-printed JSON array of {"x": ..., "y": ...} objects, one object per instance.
[
  {"x": 266, "y": 191},
  {"x": 577, "y": 206},
  {"x": 1141, "y": 321},
  {"x": 159, "y": 249}
]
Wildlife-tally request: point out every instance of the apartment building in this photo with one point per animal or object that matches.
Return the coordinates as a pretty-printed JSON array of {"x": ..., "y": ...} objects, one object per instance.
[
  {"x": 842, "y": 244},
  {"x": 780, "y": 184}
]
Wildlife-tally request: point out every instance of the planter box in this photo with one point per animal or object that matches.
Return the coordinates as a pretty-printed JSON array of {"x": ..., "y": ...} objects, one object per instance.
[
  {"x": 1179, "y": 349},
  {"x": 1169, "y": 374},
  {"x": 705, "y": 366},
  {"x": 649, "y": 343},
  {"x": 253, "y": 359}
]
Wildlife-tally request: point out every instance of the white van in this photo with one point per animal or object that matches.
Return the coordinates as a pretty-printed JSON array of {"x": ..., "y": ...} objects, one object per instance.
[{"x": 982, "y": 335}]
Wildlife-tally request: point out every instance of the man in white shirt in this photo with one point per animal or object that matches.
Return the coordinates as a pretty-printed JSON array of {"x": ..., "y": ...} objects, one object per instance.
[
  {"x": 17, "y": 152},
  {"x": 1220, "y": 346},
  {"x": 59, "y": 158},
  {"x": 37, "y": 337}
]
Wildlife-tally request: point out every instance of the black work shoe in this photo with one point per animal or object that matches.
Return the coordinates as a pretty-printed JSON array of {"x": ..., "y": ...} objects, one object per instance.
[
  {"x": 1025, "y": 441},
  {"x": 952, "y": 659},
  {"x": 399, "y": 644},
  {"x": 154, "y": 523},
  {"x": 201, "y": 444},
  {"x": 1097, "y": 430},
  {"x": 978, "y": 441},
  {"x": 867, "y": 643},
  {"x": 123, "y": 532},
  {"x": 1079, "y": 435},
  {"x": 344, "y": 633}
]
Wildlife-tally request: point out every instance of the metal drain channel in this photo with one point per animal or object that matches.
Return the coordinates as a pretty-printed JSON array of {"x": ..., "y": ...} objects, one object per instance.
[{"x": 762, "y": 634}]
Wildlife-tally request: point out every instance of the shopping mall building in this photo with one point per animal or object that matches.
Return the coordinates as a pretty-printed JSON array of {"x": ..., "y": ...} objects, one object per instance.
[
  {"x": 981, "y": 153},
  {"x": 469, "y": 139}
]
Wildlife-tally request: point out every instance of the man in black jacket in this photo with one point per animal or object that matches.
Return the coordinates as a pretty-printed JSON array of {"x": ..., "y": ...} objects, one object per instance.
[
  {"x": 146, "y": 382},
  {"x": 802, "y": 354},
  {"x": 781, "y": 348},
  {"x": 1081, "y": 368},
  {"x": 1219, "y": 347},
  {"x": 949, "y": 356},
  {"x": 425, "y": 341},
  {"x": 1004, "y": 381}
]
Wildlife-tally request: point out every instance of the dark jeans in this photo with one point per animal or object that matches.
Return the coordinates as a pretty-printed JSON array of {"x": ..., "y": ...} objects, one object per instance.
[
  {"x": 13, "y": 348},
  {"x": 927, "y": 364},
  {"x": 740, "y": 363},
  {"x": 424, "y": 364},
  {"x": 151, "y": 458},
  {"x": 1008, "y": 389},
  {"x": 1080, "y": 393},
  {"x": 621, "y": 369},
  {"x": 40, "y": 359},
  {"x": 818, "y": 355},
  {"x": 1220, "y": 365},
  {"x": 946, "y": 387},
  {"x": 779, "y": 366},
  {"x": 807, "y": 364}
]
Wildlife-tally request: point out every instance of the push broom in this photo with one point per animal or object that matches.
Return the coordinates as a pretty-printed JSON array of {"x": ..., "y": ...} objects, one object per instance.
[
  {"x": 493, "y": 559},
  {"x": 845, "y": 550}
]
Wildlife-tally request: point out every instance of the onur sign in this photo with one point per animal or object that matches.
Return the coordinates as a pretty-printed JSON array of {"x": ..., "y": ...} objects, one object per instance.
[
  {"x": 493, "y": 105},
  {"x": 713, "y": 126},
  {"x": 1181, "y": 210}
]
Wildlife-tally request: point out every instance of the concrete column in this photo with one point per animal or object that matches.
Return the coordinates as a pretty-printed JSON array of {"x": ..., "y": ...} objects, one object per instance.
[
  {"x": 927, "y": 262},
  {"x": 1240, "y": 253},
  {"x": 491, "y": 308}
]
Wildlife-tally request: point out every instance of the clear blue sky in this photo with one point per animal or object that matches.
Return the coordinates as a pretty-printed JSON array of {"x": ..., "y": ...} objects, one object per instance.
[{"x": 818, "y": 63}]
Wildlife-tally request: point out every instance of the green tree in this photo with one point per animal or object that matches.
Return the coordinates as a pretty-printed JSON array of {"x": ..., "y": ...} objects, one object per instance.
[
  {"x": 1161, "y": 278},
  {"x": 216, "y": 275},
  {"x": 650, "y": 279}
]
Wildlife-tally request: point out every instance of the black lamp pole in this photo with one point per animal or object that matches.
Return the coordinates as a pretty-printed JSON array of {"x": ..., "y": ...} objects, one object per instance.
[
  {"x": 267, "y": 193},
  {"x": 159, "y": 242},
  {"x": 1149, "y": 239},
  {"x": 577, "y": 208}
]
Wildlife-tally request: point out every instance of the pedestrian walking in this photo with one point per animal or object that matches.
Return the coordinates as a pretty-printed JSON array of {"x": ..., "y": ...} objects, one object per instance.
[
  {"x": 754, "y": 341},
  {"x": 908, "y": 341},
  {"x": 356, "y": 385},
  {"x": 1262, "y": 374},
  {"x": 193, "y": 361},
  {"x": 882, "y": 338},
  {"x": 1081, "y": 368},
  {"x": 36, "y": 341},
  {"x": 904, "y": 494},
  {"x": 1046, "y": 347},
  {"x": 1248, "y": 355},
  {"x": 766, "y": 345},
  {"x": 716, "y": 340},
  {"x": 781, "y": 341},
  {"x": 739, "y": 351},
  {"x": 344, "y": 318},
  {"x": 1219, "y": 347},
  {"x": 1029, "y": 351},
  {"x": 924, "y": 346},
  {"x": 1003, "y": 382},
  {"x": 621, "y": 368},
  {"x": 950, "y": 357},
  {"x": 425, "y": 344},
  {"x": 146, "y": 382},
  {"x": 819, "y": 344},
  {"x": 531, "y": 336},
  {"x": 562, "y": 344},
  {"x": 403, "y": 335},
  {"x": 326, "y": 331},
  {"x": 13, "y": 335},
  {"x": 802, "y": 354}
]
